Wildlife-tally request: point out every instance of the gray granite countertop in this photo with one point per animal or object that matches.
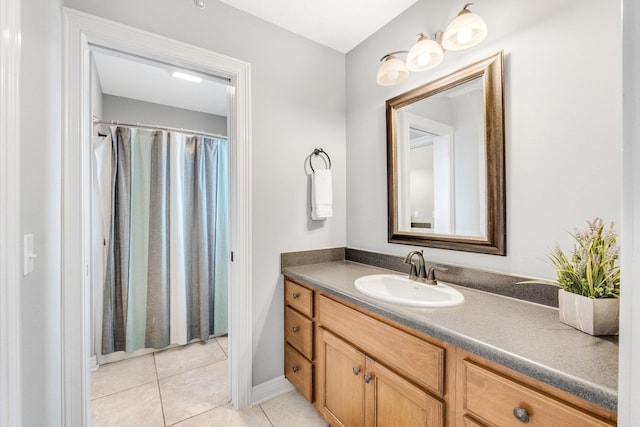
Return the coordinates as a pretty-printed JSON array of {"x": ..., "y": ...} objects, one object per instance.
[{"x": 523, "y": 336}]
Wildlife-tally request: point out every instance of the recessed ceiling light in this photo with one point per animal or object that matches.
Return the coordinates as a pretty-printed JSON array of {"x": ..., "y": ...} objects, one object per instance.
[{"x": 188, "y": 77}]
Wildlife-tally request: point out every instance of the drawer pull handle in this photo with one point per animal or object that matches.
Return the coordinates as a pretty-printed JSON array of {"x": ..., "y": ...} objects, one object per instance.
[
  {"x": 356, "y": 371},
  {"x": 521, "y": 415},
  {"x": 295, "y": 329},
  {"x": 295, "y": 369},
  {"x": 295, "y": 295},
  {"x": 367, "y": 378}
]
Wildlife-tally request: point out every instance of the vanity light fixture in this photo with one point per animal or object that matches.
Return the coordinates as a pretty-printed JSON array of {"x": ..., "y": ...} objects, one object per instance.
[
  {"x": 185, "y": 76},
  {"x": 466, "y": 30}
]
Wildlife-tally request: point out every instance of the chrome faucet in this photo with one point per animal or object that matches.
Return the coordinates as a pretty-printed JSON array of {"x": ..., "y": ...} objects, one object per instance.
[
  {"x": 419, "y": 273},
  {"x": 416, "y": 273}
]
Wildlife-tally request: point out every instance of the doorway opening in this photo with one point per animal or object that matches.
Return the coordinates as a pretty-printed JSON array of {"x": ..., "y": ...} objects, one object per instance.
[
  {"x": 85, "y": 34},
  {"x": 159, "y": 206}
]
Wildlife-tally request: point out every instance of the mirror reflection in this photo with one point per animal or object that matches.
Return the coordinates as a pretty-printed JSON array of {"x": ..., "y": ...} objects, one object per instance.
[
  {"x": 445, "y": 143},
  {"x": 443, "y": 188}
]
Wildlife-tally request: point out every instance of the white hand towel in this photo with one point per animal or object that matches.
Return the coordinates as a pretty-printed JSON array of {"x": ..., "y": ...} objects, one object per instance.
[{"x": 321, "y": 195}]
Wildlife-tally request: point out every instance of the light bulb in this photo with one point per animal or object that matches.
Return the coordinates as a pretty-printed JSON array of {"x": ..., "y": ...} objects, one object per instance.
[
  {"x": 424, "y": 59},
  {"x": 464, "y": 35},
  {"x": 393, "y": 75}
]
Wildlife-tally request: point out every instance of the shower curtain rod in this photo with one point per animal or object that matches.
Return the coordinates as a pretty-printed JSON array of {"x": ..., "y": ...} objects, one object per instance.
[{"x": 168, "y": 128}]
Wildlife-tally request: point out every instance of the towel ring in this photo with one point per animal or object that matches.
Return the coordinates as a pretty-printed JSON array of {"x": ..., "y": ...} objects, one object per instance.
[{"x": 318, "y": 152}]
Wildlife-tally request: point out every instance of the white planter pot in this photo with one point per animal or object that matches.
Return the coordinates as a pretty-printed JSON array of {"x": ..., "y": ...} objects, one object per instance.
[{"x": 593, "y": 316}]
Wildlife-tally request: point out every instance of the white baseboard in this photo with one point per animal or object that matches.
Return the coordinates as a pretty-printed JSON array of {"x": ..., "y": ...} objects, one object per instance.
[
  {"x": 93, "y": 363},
  {"x": 268, "y": 390}
]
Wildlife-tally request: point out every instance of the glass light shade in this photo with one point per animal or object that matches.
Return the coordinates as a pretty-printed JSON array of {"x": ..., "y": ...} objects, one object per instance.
[
  {"x": 468, "y": 29},
  {"x": 392, "y": 71},
  {"x": 425, "y": 54}
]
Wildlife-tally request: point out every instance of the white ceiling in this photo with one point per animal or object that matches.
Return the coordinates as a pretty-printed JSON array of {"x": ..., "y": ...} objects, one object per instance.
[
  {"x": 153, "y": 82},
  {"x": 338, "y": 24}
]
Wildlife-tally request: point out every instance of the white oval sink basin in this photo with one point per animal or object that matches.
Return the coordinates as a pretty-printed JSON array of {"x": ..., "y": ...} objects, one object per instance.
[{"x": 401, "y": 290}]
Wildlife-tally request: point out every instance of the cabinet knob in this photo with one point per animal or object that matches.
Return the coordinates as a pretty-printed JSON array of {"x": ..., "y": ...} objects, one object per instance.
[
  {"x": 295, "y": 329},
  {"x": 295, "y": 369},
  {"x": 367, "y": 378},
  {"x": 356, "y": 371},
  {"x": 521, "y": 415},
  {"x": 295, "y": 295}
]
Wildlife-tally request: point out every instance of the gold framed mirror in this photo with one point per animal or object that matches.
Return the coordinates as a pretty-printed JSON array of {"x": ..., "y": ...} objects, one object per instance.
[{"x": 445, "y": 162}]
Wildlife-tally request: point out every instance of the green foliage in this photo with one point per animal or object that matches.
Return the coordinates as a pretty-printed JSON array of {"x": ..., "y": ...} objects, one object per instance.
[{"x": 590, "y": 270}]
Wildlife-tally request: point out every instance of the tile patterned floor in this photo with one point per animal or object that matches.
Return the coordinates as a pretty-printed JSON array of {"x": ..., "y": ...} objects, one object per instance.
[{"x": 185, "y": 387}]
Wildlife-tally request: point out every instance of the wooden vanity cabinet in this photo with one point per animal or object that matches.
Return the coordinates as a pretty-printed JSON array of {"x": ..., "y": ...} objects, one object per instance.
[{"x": 361, "y": 369}]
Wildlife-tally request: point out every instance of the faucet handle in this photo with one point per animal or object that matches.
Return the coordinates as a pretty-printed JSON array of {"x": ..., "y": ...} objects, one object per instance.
[{"x": 431, "y": 275}]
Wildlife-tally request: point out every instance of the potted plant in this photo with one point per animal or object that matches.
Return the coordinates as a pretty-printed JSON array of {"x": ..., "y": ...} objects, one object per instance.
[{"x": 589, "y": 279}]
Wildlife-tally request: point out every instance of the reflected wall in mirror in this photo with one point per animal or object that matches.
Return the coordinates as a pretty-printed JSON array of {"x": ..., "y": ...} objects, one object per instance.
[{"x": 445, "y": 150}]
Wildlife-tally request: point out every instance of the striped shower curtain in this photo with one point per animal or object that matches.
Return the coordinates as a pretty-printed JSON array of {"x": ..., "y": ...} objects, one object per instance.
[{"x": 167, "y": 258}]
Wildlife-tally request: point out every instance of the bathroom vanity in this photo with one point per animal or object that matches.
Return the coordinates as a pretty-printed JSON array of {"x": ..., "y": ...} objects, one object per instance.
[{"x": 492, "y": 361}]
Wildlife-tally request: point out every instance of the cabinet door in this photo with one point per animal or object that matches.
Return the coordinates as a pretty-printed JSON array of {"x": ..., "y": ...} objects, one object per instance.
[
  {"x": 341, "y": 372},
  {"x": 392, "y": 401}
]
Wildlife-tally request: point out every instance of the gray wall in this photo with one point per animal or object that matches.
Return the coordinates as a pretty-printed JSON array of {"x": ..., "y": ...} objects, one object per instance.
[
  {"x": 295, "y": 107},
  {"x": 41, "y": 147},
  {"x": 134, "y": 111},
  {"x": 563, "y": 123}
]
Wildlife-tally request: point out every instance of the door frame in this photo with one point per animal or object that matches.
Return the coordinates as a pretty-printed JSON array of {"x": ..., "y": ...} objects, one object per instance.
[
  {"x": 629, "y": 351},
  {"x": 10, "y": 244},
  {"x": 81, "y": 32}
]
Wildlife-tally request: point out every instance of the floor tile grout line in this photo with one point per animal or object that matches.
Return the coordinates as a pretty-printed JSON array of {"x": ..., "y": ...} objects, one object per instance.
[
  {"x": 192, "y": 369},
  {"x": 184, "y": 372},
  {"x": 197, "y": 415},
  {"x": 164, "y": 419},
  {"x": 266, "y": 416},
  {"x": 123, "y": 390},
  {"x": 155, "y": 365},
  {"x": 183, "y": 347},
  {"x": 220, "y": 345}
]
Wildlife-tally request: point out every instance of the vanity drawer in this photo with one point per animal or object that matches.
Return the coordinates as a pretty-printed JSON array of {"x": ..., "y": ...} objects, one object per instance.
[
  {"x": 416, "y": 359},
  {"x": 493, "y": 397},
  {"x": 299, "y": 371},
  {"x": 298, "y": 297},
  {"x": 298, "y": 331}
]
